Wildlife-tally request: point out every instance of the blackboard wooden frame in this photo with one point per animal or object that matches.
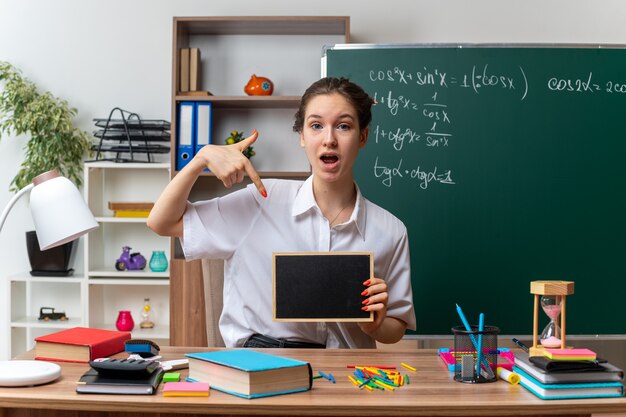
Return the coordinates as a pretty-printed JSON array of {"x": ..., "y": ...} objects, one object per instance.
[
  {"x": 530, "y": 189},
  {"x": 320, "y": 286}
]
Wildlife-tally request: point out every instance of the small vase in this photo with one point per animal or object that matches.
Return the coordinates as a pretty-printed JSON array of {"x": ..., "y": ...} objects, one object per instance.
[
  {"x": 125, "y": 322},
  {"x": 158, "y": 261}
]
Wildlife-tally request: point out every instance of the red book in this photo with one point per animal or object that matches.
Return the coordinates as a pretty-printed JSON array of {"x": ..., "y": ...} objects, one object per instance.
[{"x": 79, "y": 344}]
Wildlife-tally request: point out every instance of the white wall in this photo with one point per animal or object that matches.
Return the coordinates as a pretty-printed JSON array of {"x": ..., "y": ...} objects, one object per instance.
[{"x": 98, "y": 55}]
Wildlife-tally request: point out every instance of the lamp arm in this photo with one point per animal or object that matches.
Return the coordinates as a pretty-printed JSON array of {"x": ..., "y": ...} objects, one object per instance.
[{"x": 12, "y": 202}]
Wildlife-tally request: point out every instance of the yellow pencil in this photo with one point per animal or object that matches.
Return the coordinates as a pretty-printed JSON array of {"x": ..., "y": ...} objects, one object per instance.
[{"x": 409, "y": 367}]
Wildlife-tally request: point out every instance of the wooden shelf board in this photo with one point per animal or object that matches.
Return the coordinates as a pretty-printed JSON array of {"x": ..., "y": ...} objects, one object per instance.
[
  {"x": 246, "y": 102},
  {"x": 263, "y": 25}
]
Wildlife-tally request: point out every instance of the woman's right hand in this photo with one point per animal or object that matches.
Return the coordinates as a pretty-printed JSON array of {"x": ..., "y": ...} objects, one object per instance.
[{"x": 228, "y": 162}]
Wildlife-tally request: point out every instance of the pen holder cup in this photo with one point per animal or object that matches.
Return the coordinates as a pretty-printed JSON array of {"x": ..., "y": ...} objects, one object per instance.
[{"x": 466, "y": 348}]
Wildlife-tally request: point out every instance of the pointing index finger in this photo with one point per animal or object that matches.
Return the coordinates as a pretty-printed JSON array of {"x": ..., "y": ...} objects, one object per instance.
[{"x": 256, "y": 179}]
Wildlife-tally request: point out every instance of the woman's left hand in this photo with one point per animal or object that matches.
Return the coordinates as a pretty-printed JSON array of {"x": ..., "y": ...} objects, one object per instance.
[{"x": 376, "y": 301}]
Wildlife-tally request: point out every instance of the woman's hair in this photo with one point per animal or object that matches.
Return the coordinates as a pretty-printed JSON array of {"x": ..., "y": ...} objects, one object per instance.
[{"x": 331, "y": 85}]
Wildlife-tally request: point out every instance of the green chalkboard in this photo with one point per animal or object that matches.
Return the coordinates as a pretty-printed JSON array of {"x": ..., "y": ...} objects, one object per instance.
[{"x": 507, "y": 164}]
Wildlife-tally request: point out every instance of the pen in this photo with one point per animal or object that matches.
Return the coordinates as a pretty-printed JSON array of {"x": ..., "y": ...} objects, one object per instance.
[
  {"x": 479, "y": 348},
  {"x": 520, "y": 344},
  {"x": 474, "y": 342}
]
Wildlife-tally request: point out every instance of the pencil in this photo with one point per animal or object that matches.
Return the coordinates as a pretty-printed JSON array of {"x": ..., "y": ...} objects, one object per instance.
[{"x": 409, "y": 367}]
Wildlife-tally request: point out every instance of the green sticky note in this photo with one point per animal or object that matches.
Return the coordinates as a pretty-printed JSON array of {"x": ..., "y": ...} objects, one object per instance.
[{"x": 171, "y": 377}]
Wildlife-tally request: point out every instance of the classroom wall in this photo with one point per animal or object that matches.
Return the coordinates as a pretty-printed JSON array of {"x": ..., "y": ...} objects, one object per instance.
[{"x": 99, "y": 55}]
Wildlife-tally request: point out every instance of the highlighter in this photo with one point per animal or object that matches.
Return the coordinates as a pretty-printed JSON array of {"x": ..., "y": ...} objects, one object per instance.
[{"x": 510, "y": 377}]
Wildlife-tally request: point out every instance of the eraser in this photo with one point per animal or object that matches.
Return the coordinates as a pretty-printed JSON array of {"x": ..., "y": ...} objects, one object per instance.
[{"x": 171, "y": 377}]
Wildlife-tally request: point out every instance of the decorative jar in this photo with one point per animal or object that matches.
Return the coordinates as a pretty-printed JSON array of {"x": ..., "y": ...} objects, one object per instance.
[
  {"x": 125, "y": 322},
  {"x": 158, "y": 261}
]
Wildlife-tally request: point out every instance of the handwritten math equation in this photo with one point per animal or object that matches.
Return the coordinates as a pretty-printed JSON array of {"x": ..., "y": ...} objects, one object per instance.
[
  {"x": 479, "y": 78},
  {"x": 424, "y": 177}
]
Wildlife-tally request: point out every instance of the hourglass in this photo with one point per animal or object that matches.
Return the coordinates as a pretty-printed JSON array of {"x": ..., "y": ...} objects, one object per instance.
[
  {"x": 552, "y": 302},
  {"x": 551, "y": 305}
]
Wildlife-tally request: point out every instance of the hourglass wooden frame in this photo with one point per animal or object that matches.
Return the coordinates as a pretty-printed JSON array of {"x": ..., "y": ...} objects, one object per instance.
[{"x": 554, "y": 288}]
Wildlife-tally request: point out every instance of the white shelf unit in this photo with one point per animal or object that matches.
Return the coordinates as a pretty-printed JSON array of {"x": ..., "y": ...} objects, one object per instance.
[
  {"x": 107, "y": 290},
  {"x": 94, "y": 298},
  {"x": 28, "y": 294}
]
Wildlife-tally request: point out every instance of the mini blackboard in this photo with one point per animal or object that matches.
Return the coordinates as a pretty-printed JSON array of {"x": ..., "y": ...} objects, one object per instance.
[{"x": 312, "y": 286}]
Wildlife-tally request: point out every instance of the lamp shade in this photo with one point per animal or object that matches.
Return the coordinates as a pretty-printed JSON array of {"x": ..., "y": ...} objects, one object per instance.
[{"x": 59, "y": 211}]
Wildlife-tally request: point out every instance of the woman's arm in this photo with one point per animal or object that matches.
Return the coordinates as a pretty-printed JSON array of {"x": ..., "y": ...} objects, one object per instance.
[{"x": 228, "y": 164}]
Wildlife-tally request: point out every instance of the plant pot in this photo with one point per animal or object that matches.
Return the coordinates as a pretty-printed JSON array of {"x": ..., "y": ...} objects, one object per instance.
[{"x": 51, "y": 262}]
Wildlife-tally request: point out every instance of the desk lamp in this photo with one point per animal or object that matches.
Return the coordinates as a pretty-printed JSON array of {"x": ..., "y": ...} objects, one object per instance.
[{"x": 60, "y": 215}]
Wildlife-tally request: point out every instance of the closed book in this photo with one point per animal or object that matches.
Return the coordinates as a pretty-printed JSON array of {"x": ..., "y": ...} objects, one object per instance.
[
  {"x": 604, "y": 372},
  {"x": 93, "y": 383},
  {"x": 248, "y": 373},
  {"x": 80, "y": 344},
  {"x": 194, "y": 69},
  {"x": 183, "y": 70},
  {"x": 570, "y": 391}
]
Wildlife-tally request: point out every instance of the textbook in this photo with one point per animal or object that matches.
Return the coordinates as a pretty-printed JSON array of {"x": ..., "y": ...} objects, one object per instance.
[
  {"x": 248, "y": 373},
  {"x": 79, "y": 344},
  {"x": 570, "y": 391},
  {"x": 92, "y": 383},
  {"x": 605, "y": 372}
]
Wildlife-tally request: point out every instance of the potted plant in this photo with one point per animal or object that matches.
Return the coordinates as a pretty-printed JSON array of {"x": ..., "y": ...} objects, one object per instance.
[{"x": 54, "y": 142}]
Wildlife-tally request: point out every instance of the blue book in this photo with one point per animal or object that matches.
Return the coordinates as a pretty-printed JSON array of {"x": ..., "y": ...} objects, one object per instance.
[
  {"x": 569, "y": 391},
  {"x": 248, "y": 373}
]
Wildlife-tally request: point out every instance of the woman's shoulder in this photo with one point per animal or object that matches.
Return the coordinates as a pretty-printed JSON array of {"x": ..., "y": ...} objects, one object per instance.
[{"x": 383, "y": 217}]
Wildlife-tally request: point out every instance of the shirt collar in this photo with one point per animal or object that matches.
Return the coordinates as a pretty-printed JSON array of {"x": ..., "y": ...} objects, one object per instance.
[{"x": 305, "y": 201}]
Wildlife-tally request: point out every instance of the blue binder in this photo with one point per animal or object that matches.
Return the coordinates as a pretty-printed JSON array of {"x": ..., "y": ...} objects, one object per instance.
[
  {"x": 185, "y": 144},
  {"x": 204, "y": 119}
]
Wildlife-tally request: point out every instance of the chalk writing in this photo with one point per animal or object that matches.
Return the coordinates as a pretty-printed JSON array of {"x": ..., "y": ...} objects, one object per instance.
[
  {"x": 578, "y": 85},
  {"x": 424, "y": 177},
  {"x": 393, "y": 103},
  {"x": 480, "y": 77},
  {"x": 403, "y": 76}
]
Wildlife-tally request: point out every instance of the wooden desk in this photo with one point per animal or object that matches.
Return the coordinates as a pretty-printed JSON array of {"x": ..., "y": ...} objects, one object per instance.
[{"x": 432, "y": 391}]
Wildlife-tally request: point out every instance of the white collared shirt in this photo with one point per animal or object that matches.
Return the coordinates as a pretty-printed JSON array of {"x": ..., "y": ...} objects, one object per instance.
[{"x": 244, "y": 229}]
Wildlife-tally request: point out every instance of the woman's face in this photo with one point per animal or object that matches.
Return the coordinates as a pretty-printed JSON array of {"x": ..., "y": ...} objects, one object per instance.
[{"x": 331, "y": 137}]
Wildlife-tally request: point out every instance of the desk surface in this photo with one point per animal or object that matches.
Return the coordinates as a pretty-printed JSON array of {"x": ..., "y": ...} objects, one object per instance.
[{"x": 431, "y": 391}]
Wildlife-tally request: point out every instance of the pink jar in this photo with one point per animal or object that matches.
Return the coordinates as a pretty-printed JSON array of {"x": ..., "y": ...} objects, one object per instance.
[{"x": 124, "y": 321}]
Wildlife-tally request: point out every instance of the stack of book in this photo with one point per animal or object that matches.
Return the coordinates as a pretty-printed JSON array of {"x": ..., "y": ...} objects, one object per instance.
[
  {"x": 555, "y": 376},
  {"x": 189, "y": 70}
]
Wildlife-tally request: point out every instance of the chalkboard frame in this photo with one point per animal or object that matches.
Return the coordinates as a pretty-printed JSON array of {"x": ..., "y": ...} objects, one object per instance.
[
  {"x": 591, "y": 321},
  {"x": 310, "y": 279}
]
